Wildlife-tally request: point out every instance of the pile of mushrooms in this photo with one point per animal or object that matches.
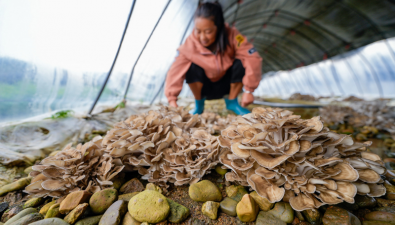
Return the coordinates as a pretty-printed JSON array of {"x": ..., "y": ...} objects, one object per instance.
[
  {"x": 362, "y": 113},
  {"x": 283, "y": 157},
  {"x": 298, "y": 96},
  {"x": 214, "y": 123},
  {"x": 73, "y": 169}
]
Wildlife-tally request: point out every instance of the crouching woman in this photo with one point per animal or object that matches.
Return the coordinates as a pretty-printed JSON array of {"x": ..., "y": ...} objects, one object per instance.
[{"x": 216, "y": 61}]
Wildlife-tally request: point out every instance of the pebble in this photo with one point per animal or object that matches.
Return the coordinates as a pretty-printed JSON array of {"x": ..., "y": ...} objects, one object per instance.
[
  {"x": 390, "y": 209},
  {"x": 210, "y": 209},
  {"x": 46, "y": 207},
  {"x": 376, "y": 223},
  {"x": 118, "y": 181},
  {"x": 114, "y": 214},
  {"x": 28, "y": 219},
  {"x": 53, "y": 211},
  {"x": 33, "y": 202},
  {"x": 384, "y": 202},
  {"x": 265, "y": 218},
  {"x": 133, "y": 185},
  {"x": 153, "y": 187},
  {"x": 73, "y": 200},
  {"x": 204, "y": 191},
  {"x": 263, "y": 203},
  {"x": 380, "y": 216},
  {"x": 228, "y": 206},
  {"x": 14, "y": 186},
  {"x": 283, "y": 211},
  {"x": 50, "y": 221},
  {"x": 93, "y": 220},
  {"x": 178, "y": 213},
  {"x": 220, "y": 171},
  {"x": 129, "y": 220},
  {"x": 127, "y": 197},
  {"x": 247, "y": 210},
  {"x": 3, "y": 207},
  {"x": 20, "y": 215},
  {"x": 102, "y": 200},
  {"x": 76, "y": 213},
  {"x": 236, "y": 192},
  {"x": 149, "y": 206},
  {"x": 364, "y": 201},
  {"x": 312, "y": 216},
  {"x": 390, "y": 190},
  {"x": 339, "y": 216}
]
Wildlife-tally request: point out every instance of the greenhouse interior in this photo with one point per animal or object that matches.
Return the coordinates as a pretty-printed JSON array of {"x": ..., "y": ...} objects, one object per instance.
[{"x": 115, "y": 112}]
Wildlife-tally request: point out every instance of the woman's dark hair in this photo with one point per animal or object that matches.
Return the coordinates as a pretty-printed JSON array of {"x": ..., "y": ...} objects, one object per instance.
[{"x": 213, "y": 11}]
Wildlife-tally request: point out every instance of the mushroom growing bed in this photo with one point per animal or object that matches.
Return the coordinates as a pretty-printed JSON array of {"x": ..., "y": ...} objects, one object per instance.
[{"x": 272, "y": 151}]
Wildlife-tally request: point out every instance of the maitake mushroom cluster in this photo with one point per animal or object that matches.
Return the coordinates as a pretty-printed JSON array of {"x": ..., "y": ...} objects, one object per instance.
[
  {"x": 165, "y": 145},
  {"x": 363, "y": 113},
  {"x": 73, "y": 169},
  {"x": 283, "y": 157}
]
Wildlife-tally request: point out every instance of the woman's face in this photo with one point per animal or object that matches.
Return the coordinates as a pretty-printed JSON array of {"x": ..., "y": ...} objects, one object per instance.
[{"x": 205, "y": 31}]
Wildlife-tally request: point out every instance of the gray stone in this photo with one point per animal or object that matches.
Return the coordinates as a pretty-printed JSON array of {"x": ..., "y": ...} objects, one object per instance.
[
  {"x": 93, "y": 220},
  {"x": 114, "y": 214},
  {"x": 228, "y": 206},
  {"x": 265, "y": 218},
  {"x": 28, "y": 219},
  {"x": 283, "y": 211},
  {"x": 20, "y": 215},
  {"x": 3, "y": 207},
  {"x": 50, "y": 221}
]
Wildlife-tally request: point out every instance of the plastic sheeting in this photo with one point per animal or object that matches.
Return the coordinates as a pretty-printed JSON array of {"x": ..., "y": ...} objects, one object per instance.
[{"x": 367, "y": 72}]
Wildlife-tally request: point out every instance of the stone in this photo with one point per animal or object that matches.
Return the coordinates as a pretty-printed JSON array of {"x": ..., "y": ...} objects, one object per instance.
[
  {"x": 134, "y": 185},
  {"x": 127, "y": 197},
  {"x": 283, "y": 211},
  {"x": 364, "y": 201},
  {"x": 384, "y": 202},
  {"x": 376, "y": 223},
  {"x": 390, "y": 209},
  {"x": 178, "y": 213},
  {"x": 380, "y": 216},
  {"x": 3, "y": 207},
  {"x": 236, "y": 192},
  {"x": 263, "y": 203},
  {"x": 265, "y": 218},
  {"x": 28, "y": 170},
  {"x": 76, "y": 213},
  {"x": 73, "y": 200},
  {"x": 33, "y": 202},
  {"x": 247, "y": 210},
  {"x": 228, "y": 206},
  {"x": 299, "y": 215},
  {"x": 210, "y": 209},
  {"x": 149, "y": 206},
  {"x": 153, "y": 187},
  {"x": 50, "y": 221},
  {"x": 129, "y": 220},
  {"x": 118, "y": 181},
  {"x": 204, "y": 191},
  {"x": 20, "y": 215},
  {"x": 114, "y": 214},
  {"x": 53, "y": 211},
  {"x": 339, "y": 216},
  {"x": 220, "y": 171},
  {"x": 102, "y": 200},
  {"x": 14, "y": 210},
  {"x": 93, "y": 220},
  {"x": 312, "y": 216},
  {"x": 390, "y": 190},
  {"x": 15, "y": 186},
  {"x": 28, "y": 219},
  {"x": 46, "y": 207}
]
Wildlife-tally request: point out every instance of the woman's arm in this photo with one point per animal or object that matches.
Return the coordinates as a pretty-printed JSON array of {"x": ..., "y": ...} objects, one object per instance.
[{"x": 175, "y": 78}]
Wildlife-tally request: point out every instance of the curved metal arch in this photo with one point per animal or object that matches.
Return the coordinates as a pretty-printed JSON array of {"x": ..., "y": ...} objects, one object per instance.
[
  {"x": 302, "y": 35},
  {"x": 288, "y": 56},
  {"x": 273, "y": 59},
  {"x": 290, "y": 41}
]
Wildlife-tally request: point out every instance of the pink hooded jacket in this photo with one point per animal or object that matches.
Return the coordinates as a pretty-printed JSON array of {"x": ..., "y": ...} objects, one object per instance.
[{"x": 215, "y": 67}]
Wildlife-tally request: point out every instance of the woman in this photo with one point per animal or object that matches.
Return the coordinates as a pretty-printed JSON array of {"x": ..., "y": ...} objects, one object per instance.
[{"x": 215, "y": 60}]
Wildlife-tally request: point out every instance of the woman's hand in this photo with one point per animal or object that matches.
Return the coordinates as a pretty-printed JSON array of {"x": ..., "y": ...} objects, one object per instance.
[
  {"x": 247, "y": 99},
  {"x": 173, "y": 103}
]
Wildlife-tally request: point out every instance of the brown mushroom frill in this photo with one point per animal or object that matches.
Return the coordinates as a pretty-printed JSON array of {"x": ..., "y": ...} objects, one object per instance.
[{"x": 283, "y": 157}]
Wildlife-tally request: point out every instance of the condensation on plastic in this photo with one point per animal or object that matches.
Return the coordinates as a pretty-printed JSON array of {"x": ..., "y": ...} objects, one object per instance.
[{"x": 343, "y": 75}]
